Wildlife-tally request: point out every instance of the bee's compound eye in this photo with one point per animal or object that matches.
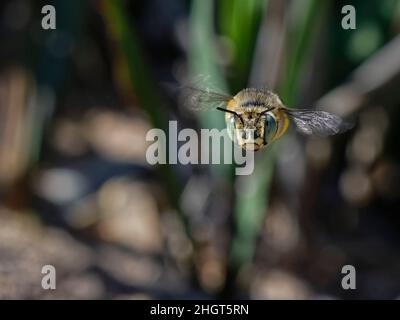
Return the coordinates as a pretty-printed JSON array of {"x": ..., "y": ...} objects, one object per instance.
[
  {"x": 231, "y": 126},
  {"x": 270, "y": 127}
]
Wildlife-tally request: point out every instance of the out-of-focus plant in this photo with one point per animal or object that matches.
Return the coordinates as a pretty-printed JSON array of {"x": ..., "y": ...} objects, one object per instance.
[
  {"x": 239, "y": 21},
  {"x": 143, "y": 85},
  {"x": 253, "y": 194},
  {"x": 203, "y": 59}
]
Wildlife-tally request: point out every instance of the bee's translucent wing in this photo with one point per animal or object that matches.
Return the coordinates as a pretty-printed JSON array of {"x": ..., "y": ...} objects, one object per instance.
[
  {"x": 321, "y": 123},
  {"x": 202, "y": 99}
]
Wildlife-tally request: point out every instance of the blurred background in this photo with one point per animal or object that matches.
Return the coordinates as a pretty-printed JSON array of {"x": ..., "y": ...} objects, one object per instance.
[{"x": 76, "y": 191}]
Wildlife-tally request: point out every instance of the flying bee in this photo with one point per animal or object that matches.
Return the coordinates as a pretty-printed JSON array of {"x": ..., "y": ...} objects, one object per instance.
[{"x": 257, "y": 117}]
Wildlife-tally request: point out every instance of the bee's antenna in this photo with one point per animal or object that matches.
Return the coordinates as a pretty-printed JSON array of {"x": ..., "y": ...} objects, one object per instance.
[
  {"x": 233, "y": 112},
  {"x": 261, "y": 113}
]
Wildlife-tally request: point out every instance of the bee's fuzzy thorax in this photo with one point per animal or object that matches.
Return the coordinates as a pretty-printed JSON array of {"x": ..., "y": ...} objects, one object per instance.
[{"x": 257, "y": 99}]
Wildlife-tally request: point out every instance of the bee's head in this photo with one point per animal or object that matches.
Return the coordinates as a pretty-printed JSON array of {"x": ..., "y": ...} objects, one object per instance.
[{"x": 251, "y": 130}]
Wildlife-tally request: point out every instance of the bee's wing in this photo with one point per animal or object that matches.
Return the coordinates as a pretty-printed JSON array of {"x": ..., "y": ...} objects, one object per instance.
[
  {"x": 202, "y": 99},
  {"x": 321, "y": 123}
]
